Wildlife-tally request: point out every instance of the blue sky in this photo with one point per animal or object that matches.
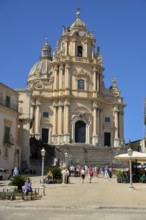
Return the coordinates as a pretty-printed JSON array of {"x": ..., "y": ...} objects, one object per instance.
[{"x": 119, "y": 28}]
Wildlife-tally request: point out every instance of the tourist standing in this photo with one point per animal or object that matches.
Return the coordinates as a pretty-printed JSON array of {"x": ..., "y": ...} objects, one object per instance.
[
  {"x": 83, "y": 173},
  {"x": 97, "y": 170},
  {"x": 67, "y": 176},
  {"x": 90, "y": 173},
  {"x": 106, "y": 172},
  {"x": 63, "y": 172},
  {"x": 15, "y": 172},
  {"x": 110, "y": 171}
]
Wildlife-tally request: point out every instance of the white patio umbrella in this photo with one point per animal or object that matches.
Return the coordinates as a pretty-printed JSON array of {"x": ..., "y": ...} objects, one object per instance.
[{"x": 135, "y": 156}]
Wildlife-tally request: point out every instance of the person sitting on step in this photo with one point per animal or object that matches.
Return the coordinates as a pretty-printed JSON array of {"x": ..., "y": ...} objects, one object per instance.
[{"x": 27, "y": 187}]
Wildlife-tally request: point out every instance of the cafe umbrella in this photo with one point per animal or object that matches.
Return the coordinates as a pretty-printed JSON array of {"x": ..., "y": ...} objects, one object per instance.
[
  {"x": 136, "y": 156},
  {"x": 131, "y": 156}
]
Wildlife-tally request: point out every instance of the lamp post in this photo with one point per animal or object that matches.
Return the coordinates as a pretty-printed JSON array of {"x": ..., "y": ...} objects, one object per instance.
[
  {"x": 43, "y": 152},
  {"x": 130, "y": 152}
]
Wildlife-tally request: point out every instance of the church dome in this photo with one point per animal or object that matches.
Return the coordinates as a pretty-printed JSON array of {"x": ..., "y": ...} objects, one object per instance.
[
  {"x": 39, "y": 69},
  {"x": 42, "y": 67},
  {"x": 78, "y": 24}
]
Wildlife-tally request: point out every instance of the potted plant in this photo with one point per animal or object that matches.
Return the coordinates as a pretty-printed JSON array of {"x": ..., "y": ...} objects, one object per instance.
[
  {"x": 119, "y": 175},
  {"x": 57, "y": 176},
  {"x": 18, "y": 181}
]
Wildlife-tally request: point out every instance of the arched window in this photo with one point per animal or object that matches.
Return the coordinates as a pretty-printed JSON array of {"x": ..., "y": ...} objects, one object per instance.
[
  {"x": 79, "y": 51},
  {"x": 80, "y": 84}
]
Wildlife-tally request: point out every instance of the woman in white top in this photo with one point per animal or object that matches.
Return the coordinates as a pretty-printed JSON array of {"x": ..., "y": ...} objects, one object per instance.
[
  {"x": 16, "y": 172},
  {"x": 83, "y": 174}
]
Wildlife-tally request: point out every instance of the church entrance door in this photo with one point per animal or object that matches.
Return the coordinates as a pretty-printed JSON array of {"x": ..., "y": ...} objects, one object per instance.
[
  {"x": 107, "y": 139},
  {"x": 80, "y": 132},
  {"x": 45, "y": 132}
]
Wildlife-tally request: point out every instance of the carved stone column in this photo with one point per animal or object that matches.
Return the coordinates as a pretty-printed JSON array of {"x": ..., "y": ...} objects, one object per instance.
[
  {"x": 60, "y": 76},
  {"x": 74, "y": 47},
  {"x": 54, "y": 135},
  {"x": 66, "y": 123},
  {"x": 56, "y": 78},
  {"x": 60, "y": 118},
  {"x": 94, "y": 120},
  {"x": 86, "y": 52},
  {"x": 94, "y": 79},
  {"x": 67, "y": 76},
  {"x": 66, "y": 47},
  {"x": 37, "y": 119},
  {"x": 121, "y": 128},
  {"x": 94, "y": 82},
  {"x": 100, "y": 113},
  {"x": 116, "y": 123},
  {"x": 61, "y": 68},
  {"x": 92, "y": 50},
  {"x": 32, "y": 112},
  {"x": 95, "y": 137},
  {"x": 116, "y": 116},
  {"x": 54, "y": 120},
  {"x": 66, "y": 119},
  {"x": 87, "y": 134}
]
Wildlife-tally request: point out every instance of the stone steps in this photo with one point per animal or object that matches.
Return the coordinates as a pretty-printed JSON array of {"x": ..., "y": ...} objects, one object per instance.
[{"x": 79, "y": 154}]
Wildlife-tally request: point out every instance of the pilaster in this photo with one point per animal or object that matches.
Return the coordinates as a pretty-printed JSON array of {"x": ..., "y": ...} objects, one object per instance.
[
  {"x": 55, "y": 78},
  {"x": 37, "y": 119},
  {"x": 116, "y": 116},
  {"x": 61, "y": 68},
  {"x": 67, "y": 77}
]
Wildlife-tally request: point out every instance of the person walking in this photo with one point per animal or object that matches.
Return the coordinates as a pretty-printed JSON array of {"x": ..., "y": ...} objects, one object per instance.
[
  {"x": 90, "y": 172},
  {"x": 106, "y": 172},
  {"x": 83, "y": 173},
  {"x": 110, "y": 171}
]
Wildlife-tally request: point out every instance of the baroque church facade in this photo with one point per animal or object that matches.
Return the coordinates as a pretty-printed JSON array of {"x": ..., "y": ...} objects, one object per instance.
[{"x": 66, "y": 103}]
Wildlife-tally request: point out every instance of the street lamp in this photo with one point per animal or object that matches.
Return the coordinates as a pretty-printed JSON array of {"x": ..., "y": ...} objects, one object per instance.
[
  {"x": 43, "y": 152},
  {"x": 130, "y": 152}
]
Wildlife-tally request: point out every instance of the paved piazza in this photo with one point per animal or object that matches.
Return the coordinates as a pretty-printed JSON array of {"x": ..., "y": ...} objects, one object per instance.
[{"x": 103, "y": 198}]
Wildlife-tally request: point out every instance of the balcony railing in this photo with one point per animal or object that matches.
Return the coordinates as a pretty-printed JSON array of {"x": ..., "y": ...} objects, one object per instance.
[{"x": 11, "y": 105}]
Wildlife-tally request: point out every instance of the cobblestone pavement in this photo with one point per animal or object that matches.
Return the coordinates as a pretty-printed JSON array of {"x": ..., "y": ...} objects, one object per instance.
[{"x": 100, "y": 194}]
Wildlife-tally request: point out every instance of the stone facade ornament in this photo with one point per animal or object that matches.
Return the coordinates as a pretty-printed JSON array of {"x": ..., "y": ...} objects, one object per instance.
[
  {"x": 40, "y": 84},
  {"x": 81, "y": 73},
  {"x": 99, "y": 57},
  {"x": 115, "y": 90}
]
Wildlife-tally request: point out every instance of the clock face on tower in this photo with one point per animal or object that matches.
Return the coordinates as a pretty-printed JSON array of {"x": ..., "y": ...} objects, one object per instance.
[{"x": 81, "y": 33}]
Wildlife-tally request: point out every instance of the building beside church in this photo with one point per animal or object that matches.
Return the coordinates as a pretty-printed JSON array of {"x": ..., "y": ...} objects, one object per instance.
[
  {"x": 66, "y": 103},
  {"x": 10, "y": 151}
]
